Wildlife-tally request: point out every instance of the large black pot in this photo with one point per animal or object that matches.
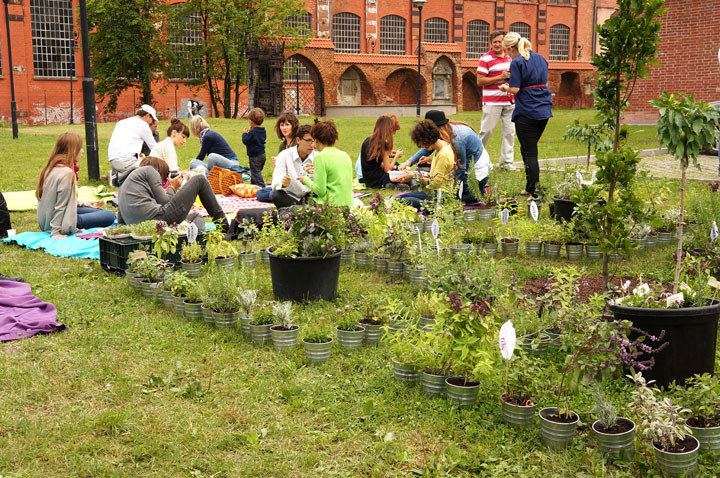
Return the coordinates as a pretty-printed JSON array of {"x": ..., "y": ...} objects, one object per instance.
[
  {"x": 691, "y": 331},
  {"x": 563, "y": 209},
  {"x": 304, "y": 278}
]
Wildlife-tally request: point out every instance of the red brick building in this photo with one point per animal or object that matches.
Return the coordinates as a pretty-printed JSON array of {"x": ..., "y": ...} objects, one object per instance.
[
  {"x": 689, "y": 44},
  {"x": 362, "y": 52}
]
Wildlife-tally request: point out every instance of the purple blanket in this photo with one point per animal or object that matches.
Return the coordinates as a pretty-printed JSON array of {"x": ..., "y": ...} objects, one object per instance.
[{"x": 22, "y": 314}]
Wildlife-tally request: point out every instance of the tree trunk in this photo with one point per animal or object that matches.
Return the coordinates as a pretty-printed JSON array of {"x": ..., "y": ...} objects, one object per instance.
[
  {"x": 608, "y": 232},
  {"x": 678, "y": 260},
  {"x": 587, "y": 165},
  {"x": 236, "y": 105}
]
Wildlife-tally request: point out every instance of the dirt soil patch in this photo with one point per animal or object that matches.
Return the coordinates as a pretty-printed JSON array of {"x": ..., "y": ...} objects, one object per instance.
[{"x": 587, "y": 285}]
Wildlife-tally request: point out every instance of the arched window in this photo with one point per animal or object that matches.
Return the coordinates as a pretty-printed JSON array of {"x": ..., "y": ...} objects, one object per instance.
[
  {"x": 436, "y": 30},
  {"x": 442, "y": 80},
  {"x": 392, "y": 35},
  {"x": 346, "y": 33},
  {"x": 477, "y": 39},
  {"x": 559, "y": 43},
  {"x": 523, "y": 29},
  {"x": 302, "y": 22}
]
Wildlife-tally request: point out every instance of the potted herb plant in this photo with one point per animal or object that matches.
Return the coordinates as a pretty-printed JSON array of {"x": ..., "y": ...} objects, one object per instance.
[
  {"x": 426, "y": 306},
  {"x": 132, "y": 273},
  {"x": 676, "y": 450},
  {"x": 222, "y": 253},
  {"x": 120, "y": 231},
  {"x": 518, "y": 407},
  {"x": 350, "y": 335},
  {"x": 144, "y": 231},
  {"x": 372, "y": 323},
  {"x": 179, "y": 284},
  {"x": 247, "y": 230},
  {"x": 247, "y": 298},
  {"x": 150, "y": 268},
  {"x": 284, "y": 333},
  {"x": 191, "y": 258},
  {"x": 701, "y": 394},
  {"x": 563, "y": 206},
  {"x": 221, "y": 291},
  {"x": 553, "y": 235},
  {"x": 263, "y": 318},
  {"x": 192, "y": 305},
  {"x": 489, "y": 242},
  {"x": 164, "y": 240},
  {"x": 395, "y": 246},
  {"x": 317, "y": 344},
  {"x": 615, "y": 435},
  {"x": 405, "y": 355}
]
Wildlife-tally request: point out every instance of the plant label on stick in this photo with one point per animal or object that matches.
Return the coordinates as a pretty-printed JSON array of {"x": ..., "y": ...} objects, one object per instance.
[
  {"x": 417, "y": 228},
  {"x": 505, "y": 216},
  {"x": 714, "y": 283},
  {"x": 534, "y": 213},
  {"x": 714, "y": 232},
  {"x": 435, "y": 229},
  {"x": 507, "y": 340},
  {"x": 675, "y": 299},
  {"x": 578, "y": 174},
  {"x": 437, "y": 202},
  {"x": 192, "y": 232},
  {"x": 460, "y": 191}
]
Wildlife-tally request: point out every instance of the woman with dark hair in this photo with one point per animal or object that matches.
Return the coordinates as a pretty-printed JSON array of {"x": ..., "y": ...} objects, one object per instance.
[
  {"x": 286, "y": 128},
  {"x": 177, "y": 135},
  {"x": 142, "y": 197},
  {"x": 59, "y": 211},
  {"x": 376, "y": 150},
  {"x": 426, "y": 135},
  {"x": 533, "y": 103},
  {"x": 333, "y": 168}
]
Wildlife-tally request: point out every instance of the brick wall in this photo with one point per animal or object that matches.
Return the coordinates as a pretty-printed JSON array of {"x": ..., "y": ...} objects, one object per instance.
[{"x": 689, "y": 45}]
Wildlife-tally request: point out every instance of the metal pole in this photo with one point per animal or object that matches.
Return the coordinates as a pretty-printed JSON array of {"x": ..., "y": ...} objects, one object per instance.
[
  {"x": 91, "y": 139},
  {"x": 72, "y": 75},
  {"x": 417, "y": 112},
  {"x": 297, "y": 87},
  {"x": 13, "y": 105}
]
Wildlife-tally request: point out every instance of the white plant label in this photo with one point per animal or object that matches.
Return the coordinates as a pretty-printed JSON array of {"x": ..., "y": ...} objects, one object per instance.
[
  {"x": 460, "y": 191},
  {"x": 435, "y": 229},
  {"x": 437, "y": 245},
  {"x": 437, "y": 201},
  {"x": 192, "y": 232},
  {"x": 714, "y": 232},
  {"x": 534, "y": 213},
  {"x": 507, "y": 340},
  {"x": 578, "y": 174},
  {"x": 714, "y": 283},
  {"x": 676, "y": 299},
  {"x": 505, "y": 216},
  {"x": 417, "y": 228}
]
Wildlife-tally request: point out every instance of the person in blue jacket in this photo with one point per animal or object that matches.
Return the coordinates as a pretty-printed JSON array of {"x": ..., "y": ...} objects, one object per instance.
[
  {"x": 213, "y": 145},
  {"x": 468, "y": 148},
  {"x": 254, "y": 140},
  {"x": 533, "y": 103}
]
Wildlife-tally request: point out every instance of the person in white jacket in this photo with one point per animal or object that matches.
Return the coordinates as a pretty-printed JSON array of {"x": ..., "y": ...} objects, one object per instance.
[
  {"x": 128, "y": 137},
  {"x": 290, "y": 167},
  {"x": 178, "y": 133}
]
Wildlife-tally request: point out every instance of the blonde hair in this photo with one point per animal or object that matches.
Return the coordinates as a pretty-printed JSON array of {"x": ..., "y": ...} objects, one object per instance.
[
  {"x": 197, "y": 124},
  {"x": 514, "y": 40},
  {"x": 65, "y": 153}
]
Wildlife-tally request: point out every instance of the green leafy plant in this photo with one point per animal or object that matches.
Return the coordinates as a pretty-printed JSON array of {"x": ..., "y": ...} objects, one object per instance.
[
  {"x": 179, "y": 283},
  {"x": 315, "y": 230},
  {"x": 221, "y": 290},
  {"x": 263, "y": 314},
  {"x": 247, "y": 298},
  {"x": 282, "y": 312},
  {"x": 428, "y": 304},
  {"x": 591, "y": 135},
  {"x": 194, "y": 295},
  {"x": 685, "y": 127},
  {"x": 164, "y": 240},
  {"x": 145, "y": 228},
  {"x": 150, "y": 268},
  {"x": 604, "y": 409},
  {"x": 221, "y": 249},
  {"x": 317, "y": 334},
  {"x": 247, "y": 232},
  {"x": 192, "y": 253},
  {"x": 701, "y": 394},
  {"x": 118, "y": 230},
  {"x": 347, "y": 318}
]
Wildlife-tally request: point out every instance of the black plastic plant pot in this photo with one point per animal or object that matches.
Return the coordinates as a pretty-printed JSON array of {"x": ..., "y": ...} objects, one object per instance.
[
  {"x": 691, "y": 333},
  {"x": 304, "y": 278},
  {"x": 563, "y": 209}
]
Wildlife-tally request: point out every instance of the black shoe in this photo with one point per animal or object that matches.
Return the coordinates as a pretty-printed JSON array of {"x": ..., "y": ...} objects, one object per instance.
[
  {"x": 14, "y": 279},
  {"x": 114, "y": 179}
]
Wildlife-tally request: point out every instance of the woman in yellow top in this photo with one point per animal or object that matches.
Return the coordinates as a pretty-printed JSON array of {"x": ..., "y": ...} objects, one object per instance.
[{"x": 426, "y": 135}]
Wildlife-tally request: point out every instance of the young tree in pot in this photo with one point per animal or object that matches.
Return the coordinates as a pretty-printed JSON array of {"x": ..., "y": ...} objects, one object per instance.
[
  {"x": 262, "y": 319},
  {"x": 245, "y": 240},
  {"x": 615, "y": 435},
  {"x": 191, "y": 258},
  {"x": 676, "y": 450},
  {"x": 701, "y": 394},
  {"x": 317, "y": 343},
  {"x": 247, "y": 298},
  {"x": 518, "y": 408},
  {"x": 395, "y": 245},
  {"x": 284, "y": 333},
  {"x": 350, "y": 335}
]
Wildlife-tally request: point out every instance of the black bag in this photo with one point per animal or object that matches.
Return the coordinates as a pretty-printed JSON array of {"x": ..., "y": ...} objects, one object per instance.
[
  {"x": 4, "y": 217},
  {"x": 255, "y": 215}
]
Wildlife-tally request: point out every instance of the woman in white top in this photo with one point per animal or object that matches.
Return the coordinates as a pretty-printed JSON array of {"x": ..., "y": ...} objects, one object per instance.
[{"x": 177, "y": 133}]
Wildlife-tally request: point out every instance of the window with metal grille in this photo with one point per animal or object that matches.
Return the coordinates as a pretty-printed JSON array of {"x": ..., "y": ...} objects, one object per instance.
[
  {"x": 187, "y": 34},
  {"x": 478, "y": 38},
  {"x": 392, "y": 35},
  {"x": 300, "y": 21},
  {"x": 53, "y": 38},
  {"x": 436, "y": 30},
  {"x": 346, "y": 33},
  {"x": 523, "y": 29},
  {"x": 561, "y": 2},
  {"x": 294, "y": 71},
  {"x": 559, "y": 43}
]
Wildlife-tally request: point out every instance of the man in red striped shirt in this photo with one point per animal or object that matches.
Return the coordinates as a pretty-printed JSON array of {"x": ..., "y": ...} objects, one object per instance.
[{"x": 497, "y": 105}]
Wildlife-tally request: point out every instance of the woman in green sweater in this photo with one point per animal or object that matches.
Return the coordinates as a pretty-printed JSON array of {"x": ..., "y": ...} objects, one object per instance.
[{"x": 333, "y": 168}]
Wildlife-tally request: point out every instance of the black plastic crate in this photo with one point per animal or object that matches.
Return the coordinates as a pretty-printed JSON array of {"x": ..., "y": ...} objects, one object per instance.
[{"x": 114, "y": 253}]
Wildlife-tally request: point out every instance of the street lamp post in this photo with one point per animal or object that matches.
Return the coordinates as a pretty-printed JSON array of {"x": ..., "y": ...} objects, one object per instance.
[
  {"x": 419, "y": 5},
  {"x": 91, "y": 139},
  {"x": 13, "y": 105}
]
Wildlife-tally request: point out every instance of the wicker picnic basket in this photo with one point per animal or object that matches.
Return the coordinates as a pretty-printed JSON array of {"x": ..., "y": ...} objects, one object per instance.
[{"x": 222, "y": 179}]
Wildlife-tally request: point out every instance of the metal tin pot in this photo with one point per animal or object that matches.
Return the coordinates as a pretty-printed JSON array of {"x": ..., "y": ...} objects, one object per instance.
[
  {"x": 518, "y": 415},
  {"x": 317, "y": 353},
  {"x": 651, "y": 242},
  {"x": 509, "y": 248},
  {"x": 709, "y": 438},
  {"x": 666, "y": 238},
  {"x": 264, "y": 257},
  {"x": 245, "y": 320},
  {"x": 617, "y": 445},
  {"x": 192, "y": 269},
  {"x": 225, "y": 320},
  {"x": 260, "y": 334},
  {"x": 207, "y": 315},
  {"x": 166, "y": 297},
  {"x": 362, "y": 259},
  {"x": 192, "y": 310},
  {"x": 541, "y": 344},
  {"x": 351, "y": 339},
  {"x": 227, "y": 263},
  {"x": 552, "y": 251},
  {"x": 533, "y": 247},
  {"x": 555, "y": 435},
  {"x": 416, "y": 276},
  {"x": 486, "y": 214},
  {"x": 373, "y": 334},
  {"x": 426, "y": 323},
  {"x": 149, "y": 289},
  {"x": 394, "y": 326},
  {"x": 381, "y": 263},
  {"x": 459, "y": 249},
  {"x": 346, "y": 256},
  {"x": 593, "y": 251},
  {"x": 433, "y": 385},
  {"x": 395, "y": 268},
  {"x": 574, "y": 251},
  {"x": 463, "y": 396},
  {"x": 179, "y": 304},
  {"x": 284, "y": 339},
  {"x": 678, "y": 464},
  {"x": 491, "y": 248},
  {"x": 247, "y": 259},
  {"x": 405, "y": 372},
  {"x": 470, "y": 214}
]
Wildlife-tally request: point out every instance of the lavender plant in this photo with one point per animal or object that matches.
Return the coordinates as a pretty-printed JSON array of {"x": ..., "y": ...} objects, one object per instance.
[
  {"x": 283, "y": 314},
  {"x": 604, "y": 409}
]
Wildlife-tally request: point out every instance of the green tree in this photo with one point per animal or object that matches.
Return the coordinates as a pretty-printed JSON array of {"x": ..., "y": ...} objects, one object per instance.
[
  {"x": 226, "y": 29},
  {"x": 628, "y": 45},
  {"x": 125, "y": 48}
]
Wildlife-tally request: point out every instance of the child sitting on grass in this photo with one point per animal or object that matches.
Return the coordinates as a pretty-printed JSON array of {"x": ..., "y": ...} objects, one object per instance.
[{"x": 254, "y": 140}]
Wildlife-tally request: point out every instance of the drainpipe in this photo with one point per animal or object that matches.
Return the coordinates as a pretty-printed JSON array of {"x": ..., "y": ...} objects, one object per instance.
[
  {"x": 575, "y": 33},
  {"x": 594, "y": 23}
]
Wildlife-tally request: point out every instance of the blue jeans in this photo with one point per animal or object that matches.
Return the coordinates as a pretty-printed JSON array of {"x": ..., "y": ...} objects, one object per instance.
[
  {"x": 380, "y": 183},
  {"x": 214, "y": 159},
  {"x": 257, "y": 163},
  {"x": 263, "y": 194},
  {"x": 413, "y": 198},
  {"x": 89, "y": 217}
]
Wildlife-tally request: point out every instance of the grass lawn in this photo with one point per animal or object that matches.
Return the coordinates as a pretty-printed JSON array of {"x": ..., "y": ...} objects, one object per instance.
[{"x": 134, "y": 390}]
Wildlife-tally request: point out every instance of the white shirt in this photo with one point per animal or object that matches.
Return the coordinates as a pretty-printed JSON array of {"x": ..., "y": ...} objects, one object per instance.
[
  {"x": 165, "y": 150},
  {"x": 128, "y": 137},
  {"x": 288, "y": 163}
]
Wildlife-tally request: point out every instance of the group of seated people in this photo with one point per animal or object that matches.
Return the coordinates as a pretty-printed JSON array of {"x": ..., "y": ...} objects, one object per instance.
[{"x": 308, "y": 163}]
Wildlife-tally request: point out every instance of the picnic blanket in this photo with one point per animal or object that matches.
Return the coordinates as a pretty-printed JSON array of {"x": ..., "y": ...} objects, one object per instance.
[
  {"x": 25, "y": 200},
  {"x": 71, "y": 246},
  {"x": 23, "y": 315},
  {"x": 232, "y": 204}
]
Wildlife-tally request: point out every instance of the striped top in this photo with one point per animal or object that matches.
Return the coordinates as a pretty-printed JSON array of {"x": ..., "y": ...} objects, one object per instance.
[{"x": 490, "y": 65}]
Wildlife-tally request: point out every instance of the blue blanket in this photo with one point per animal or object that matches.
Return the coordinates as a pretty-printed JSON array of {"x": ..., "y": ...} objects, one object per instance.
[{"x": 70, "y": 246}]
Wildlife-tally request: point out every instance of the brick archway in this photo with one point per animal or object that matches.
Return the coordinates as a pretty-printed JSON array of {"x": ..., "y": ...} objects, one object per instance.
[
  {"x": 401, "y": 86},
  {"x": 472, "y": 95},
  {"x": 312, "y": 93},
  {"x": 569, "y": 95}
]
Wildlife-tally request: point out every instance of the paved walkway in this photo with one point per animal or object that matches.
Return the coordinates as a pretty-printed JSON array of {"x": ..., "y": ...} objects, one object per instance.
[{"x": 654, "y": 161}]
